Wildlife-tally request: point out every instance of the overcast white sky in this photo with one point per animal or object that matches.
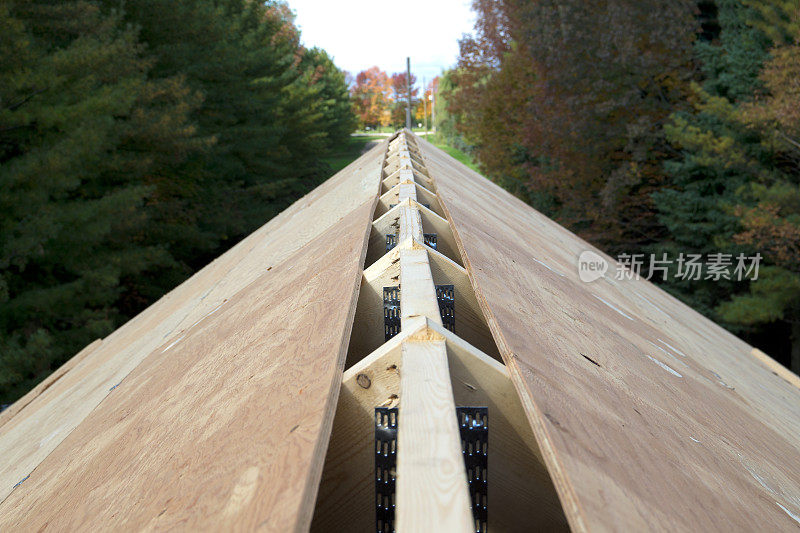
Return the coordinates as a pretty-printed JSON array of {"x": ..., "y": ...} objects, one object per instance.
[{"x": 362, "y": 33}]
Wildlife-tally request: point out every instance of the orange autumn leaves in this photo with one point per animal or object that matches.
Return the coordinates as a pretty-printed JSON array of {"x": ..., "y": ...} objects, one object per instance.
[{"x": 379, "y": 100}]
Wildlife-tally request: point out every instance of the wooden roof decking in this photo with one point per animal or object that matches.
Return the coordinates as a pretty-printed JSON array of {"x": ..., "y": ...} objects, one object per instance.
[
  {"x": 650, "y": 416},
  {"x": 213, "y": 408}
]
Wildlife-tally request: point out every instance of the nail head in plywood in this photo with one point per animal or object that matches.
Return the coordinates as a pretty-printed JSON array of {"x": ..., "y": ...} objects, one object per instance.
[{"x": 777, "y": 368}]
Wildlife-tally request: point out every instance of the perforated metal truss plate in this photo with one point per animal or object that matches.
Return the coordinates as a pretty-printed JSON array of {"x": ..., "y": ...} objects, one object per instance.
[
  {"x": 391, "y": 241},
  {"x": 445, "y": 295},
  {"x": 430, "y": 240},
  {"x": 391, "y": 311},
  {"x": 385, "y": 465},
  {"x": 473, "y": 423}
]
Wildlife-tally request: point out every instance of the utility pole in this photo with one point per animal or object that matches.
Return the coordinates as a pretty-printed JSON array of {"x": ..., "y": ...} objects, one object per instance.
[
  {"x": 424, "y": 104},
  {"x": 434, "y": 88},
  {"x": 408, "y": 93}
]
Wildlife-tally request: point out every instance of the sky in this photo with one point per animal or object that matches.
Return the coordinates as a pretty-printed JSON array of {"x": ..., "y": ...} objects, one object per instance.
[{"x": 361, "y": 33}]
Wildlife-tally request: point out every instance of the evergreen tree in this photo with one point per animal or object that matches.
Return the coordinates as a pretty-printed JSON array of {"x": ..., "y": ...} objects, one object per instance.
[
  {"x": 718, "y": 157},
  {"x": 84, "y": 139},
  {"x": 717, "y": 154},
  {"x": 768, "y": 208},
  {"x": 258, "y": 107},
  {"x": 139, "y": 139},
  {"x": 332, "y": 94},
  {"x": 735, "y": 187}
]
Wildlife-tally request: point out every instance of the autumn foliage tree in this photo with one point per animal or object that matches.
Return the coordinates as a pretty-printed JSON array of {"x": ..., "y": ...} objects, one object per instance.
[
  {"x": 372, "y": 96},
  {"x": 380, "y": 99},
  {"x": 563, "y": 101},
  {"x": 400, "y": 95},
  {"x": 649, "y": 127}
]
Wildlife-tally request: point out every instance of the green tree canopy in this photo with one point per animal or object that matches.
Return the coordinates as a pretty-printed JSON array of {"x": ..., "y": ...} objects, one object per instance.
[{"x": 138, "y": 140}]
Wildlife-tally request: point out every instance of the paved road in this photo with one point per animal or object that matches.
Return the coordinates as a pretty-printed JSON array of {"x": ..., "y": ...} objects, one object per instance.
[{"x": 381, "y": 134}]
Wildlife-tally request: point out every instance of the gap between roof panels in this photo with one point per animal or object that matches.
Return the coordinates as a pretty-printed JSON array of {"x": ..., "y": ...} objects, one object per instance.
[
  {"x": 382, "y": 269},
  {"x": 425, "y": 198},
  {"x": 521, "y": 495},
  {"x": 432, "y": 223}
]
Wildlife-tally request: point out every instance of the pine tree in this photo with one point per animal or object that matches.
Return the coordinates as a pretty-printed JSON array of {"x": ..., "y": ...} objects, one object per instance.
[
  {"x": 83, "y": 139},
  {"x": 718, "y": 157},
  {"x": 768, "y": 208},
  {"x": 266, "y": 122},
  {"x": 735, "y": 187},
  {"x": 332, "y": 94}
]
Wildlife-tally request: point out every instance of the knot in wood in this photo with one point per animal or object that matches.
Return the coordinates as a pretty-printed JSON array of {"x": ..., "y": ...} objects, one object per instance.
[{"x": 363, "y": 381}]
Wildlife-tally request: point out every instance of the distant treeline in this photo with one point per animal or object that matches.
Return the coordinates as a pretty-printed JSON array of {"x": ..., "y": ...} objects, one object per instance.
[
  {"x": 649, "y": 127},
  {"x": 139, "y": 139},
  {"x": 379, "y": 100}
]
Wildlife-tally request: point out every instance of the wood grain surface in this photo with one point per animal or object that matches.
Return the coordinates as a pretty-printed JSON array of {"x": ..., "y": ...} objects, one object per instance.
[
  {"x": 432, "y": 492},
  {"x": 470, "y": 324},
  {"x": 649, "y": 416},
  {"x": 346, "y": 498},
  {"x": 227, "y": 429},
  {"x": 521, "y": 495},
  {"x": 38, "y": 429},
  {"x": 418, "y": 293},
  {"x": 14, "y": 409}
]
